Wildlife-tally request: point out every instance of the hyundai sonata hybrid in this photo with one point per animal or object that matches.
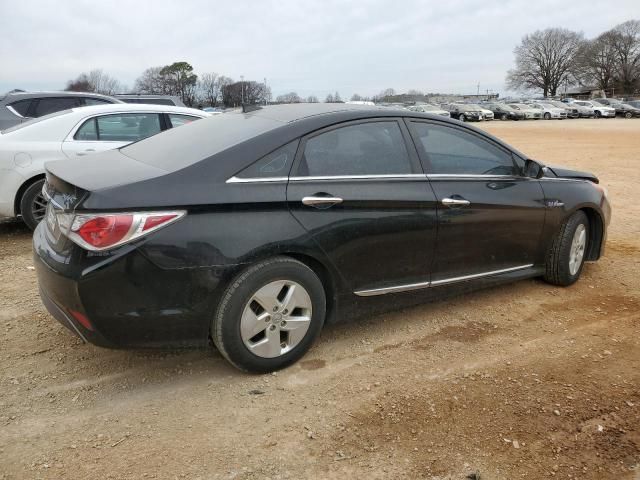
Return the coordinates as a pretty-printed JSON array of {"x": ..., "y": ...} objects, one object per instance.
[{"x": 254, "y": 229}]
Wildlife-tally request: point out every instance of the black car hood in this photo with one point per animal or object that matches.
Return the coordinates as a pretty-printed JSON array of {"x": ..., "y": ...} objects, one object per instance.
[{"x": 561, "y": 172}]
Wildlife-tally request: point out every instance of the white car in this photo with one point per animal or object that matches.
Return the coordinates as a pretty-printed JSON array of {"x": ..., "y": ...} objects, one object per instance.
[
  {"x": 73, "y": 133},
  {"x": 550, "y": 111},
  {"x": 529, "y": 113},
  {"x": 599, "y": 110},
  {"x": 428, "y": 108},
  {"x": 486, "y": 113}
]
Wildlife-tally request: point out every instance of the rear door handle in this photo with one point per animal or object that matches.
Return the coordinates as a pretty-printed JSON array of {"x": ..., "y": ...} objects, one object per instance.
[
  {"x": 455, "y": 202},
  {"x": 317, "y": 201}
]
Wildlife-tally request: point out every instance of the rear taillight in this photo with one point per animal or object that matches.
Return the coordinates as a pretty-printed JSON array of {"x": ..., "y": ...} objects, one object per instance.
[{"x": 102, "y": 231}]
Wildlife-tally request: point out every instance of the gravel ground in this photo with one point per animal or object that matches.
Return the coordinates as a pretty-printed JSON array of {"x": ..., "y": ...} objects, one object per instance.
[{"x": 521, "y": 381}]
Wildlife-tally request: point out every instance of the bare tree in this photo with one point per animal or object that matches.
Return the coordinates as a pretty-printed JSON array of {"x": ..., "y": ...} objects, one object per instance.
[
  {"x": 356, "y": 98},
  {"x": 329, "y": 99},
  {"x": 545, "y": 60},
  {"x": 291, "y": 97},
  {"x": 384, "y": 95},
  {"x": 336, "y": 97},
  {"x": 597, "y": 62},
  {"x": 152, "y": 82},
  {"x": 250, "y": 92},
  {"x": 210, "y": 88},
  {"x": 312, "y": 99},
  {"x": 95, "y": 81},
  {"x": 626, "y": 46}
]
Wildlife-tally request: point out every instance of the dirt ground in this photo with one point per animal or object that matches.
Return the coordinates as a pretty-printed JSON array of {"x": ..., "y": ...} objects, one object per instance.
[{"x": 522, "y": 381}]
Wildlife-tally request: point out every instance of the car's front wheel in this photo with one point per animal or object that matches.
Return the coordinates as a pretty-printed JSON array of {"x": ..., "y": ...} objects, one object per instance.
[
  {"x": 547, "y": 116},
  {"x": 566, "y": 256},
  {"x": 33, "y": 205},
  {"x": 504, "y": 116},
  {"x": 598, "y": 114},
  {"x": 628, "y": 115},
  {"x": 462, "y": 118},
  {"x": 269, "y": 315}
]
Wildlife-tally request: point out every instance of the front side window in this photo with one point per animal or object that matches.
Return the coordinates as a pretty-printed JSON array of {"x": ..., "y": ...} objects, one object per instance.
[
  {"x": 46, "y": 106},
  {"x": 179, "y": 120},
  {"x": 451, "y": 151},
  {"x": 127, "y": 127},
  {"x": 276, "y": 164},
  {"x": 375, "y": 148}
]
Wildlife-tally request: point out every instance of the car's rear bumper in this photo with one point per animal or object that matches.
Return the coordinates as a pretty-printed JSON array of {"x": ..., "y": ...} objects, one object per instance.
[{"x": 125, "y": 299}]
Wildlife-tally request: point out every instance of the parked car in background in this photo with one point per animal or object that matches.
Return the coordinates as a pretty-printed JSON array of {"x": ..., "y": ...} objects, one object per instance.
[
  {"x": 502, "y": 111},
  {"x": 70, "y": 134},
  {"x": 464, "y": 112},
  {"x": 19, "y": 107},
  {"x": 241, "y": 240},
  {"x": 572, "y": 111},
  {"x": 622, "y": 109},
  {"x": 527, "y": 111},
  {"x": 549, "y": 111},
  {"x": 599, "y": 110},
  {"x": 487, "y": 113},
  {"x": 634, "y": 103},
  {"x": 151, "y": 99},
  {"x": 428, "y": 108}
]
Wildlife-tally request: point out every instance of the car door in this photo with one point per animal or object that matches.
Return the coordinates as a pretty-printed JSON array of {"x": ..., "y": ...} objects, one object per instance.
[
  {"x": 106, "y": 132},
  {"x": 490, "y": 217},
  {"x": 359, "y": 190}
]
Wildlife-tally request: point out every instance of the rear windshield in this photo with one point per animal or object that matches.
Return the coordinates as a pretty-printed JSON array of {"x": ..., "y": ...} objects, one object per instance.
[
  {"x": 35, "y": 120},
  {"x": 178, "y": 148}
]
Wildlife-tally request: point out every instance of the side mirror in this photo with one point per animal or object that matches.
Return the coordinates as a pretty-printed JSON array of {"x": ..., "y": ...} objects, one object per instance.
[{"x": 533, "y": 169}]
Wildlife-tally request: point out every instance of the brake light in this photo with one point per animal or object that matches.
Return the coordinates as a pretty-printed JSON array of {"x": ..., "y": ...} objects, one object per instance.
[{"x": 102, "y": 231}]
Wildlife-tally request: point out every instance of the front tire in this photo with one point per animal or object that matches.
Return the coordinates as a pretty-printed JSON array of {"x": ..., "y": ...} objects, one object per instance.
[
  {"x": 628, "y": 115},
  {"x": 33, "y": 205},
  {"x": 598, "y": 114},
  {"x": 462, "y": 118},
  {"x": 504, "y": 116},
  {"x": 269, "y": 315},
  {"x": 547, "y": 116},
  {"x": 566, "y": 256}
]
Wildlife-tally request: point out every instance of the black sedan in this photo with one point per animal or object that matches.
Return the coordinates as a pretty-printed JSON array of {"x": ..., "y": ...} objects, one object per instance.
[
  {"x": 504, "y": 112},
  {"x": 253, "y": 229}
]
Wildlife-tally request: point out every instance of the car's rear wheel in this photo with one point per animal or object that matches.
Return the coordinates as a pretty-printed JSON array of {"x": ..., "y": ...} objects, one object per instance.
[
  {"x": 628, "y": 115},
  {"x": 598, "y": 114},
  {"x": 504, "y": 116},
  {"x": 33, "y": 205},
  {"x": 269, "y": 315},
  {"x": 566, "y": 256},
  {"x": 462, "y": 118}
]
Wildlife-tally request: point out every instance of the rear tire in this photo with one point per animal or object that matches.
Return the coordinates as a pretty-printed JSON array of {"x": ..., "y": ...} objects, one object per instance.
[
  {"x": 504, "y": 116},
  {"x": 628, "y": 115},
  {"x": 33, "y": 205},
  {"x": 269, "y": 315},
  {"x": 566, "y": 256},
  {"x": 598, "y": 114},
  {"x": 462, "y": 118}
]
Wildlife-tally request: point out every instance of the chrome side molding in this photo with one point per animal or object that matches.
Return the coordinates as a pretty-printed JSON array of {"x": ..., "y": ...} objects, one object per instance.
[{"x": 417, "y": 286}]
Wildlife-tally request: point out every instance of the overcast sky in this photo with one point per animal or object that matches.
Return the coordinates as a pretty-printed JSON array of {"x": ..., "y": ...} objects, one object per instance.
[{"x": 311, "y": 47}]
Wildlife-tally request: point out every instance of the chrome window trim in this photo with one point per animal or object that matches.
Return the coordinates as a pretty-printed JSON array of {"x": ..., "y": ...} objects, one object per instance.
[
  {"x": 14, "y": 111},
  {"x": 416, "y": 286},
  {"x": 436, "y": 176},
  {"x": 257, "y": 180},
  {"x": 398, "y": 176}
]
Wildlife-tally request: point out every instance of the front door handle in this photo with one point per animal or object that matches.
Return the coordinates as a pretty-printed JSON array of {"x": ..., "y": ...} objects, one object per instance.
[
  {"x": 317, "y": 201},
  {"x": 85, "y": 152},
  {"x": 455, "y": 202}
]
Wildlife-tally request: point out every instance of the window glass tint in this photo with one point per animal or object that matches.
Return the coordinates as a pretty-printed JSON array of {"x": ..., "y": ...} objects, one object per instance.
[
  {"x": 51, "y": 105},
  {"x": 179, "y": 120},
  {"x": 87, "y": 131},
  {"x": 276, "y": 164},
  {"x": 22, "y": 107},
  {"x": 453, "y": 151},
  {"x": 375, "y": 148},
  {"x": 128, "y": 127},
  {"x": 92, "y": 101}
]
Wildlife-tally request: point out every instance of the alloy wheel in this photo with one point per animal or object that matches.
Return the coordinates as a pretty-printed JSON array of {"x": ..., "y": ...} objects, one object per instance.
[
  {"x": 578, "y": 245},
  {"x": 39, "y": 207},
  {"x": 276, "y": 318}
]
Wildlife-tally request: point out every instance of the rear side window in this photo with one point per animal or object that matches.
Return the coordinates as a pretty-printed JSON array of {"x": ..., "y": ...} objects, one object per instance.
[
  {"x": 22, "y": 107},
  {"x": 88, "y": 131},
  {"x": 276, "y": 164},
  {"x": 46, "y": 106},
  {"x": 179, "y": 120},
  {"x": 375, "y": 148},
  {"x": 452, "y": 151}
]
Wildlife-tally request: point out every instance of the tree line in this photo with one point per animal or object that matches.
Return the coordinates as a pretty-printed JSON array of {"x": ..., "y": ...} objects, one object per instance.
[
  {"x": 179, "y": 79},
  {"x": 549, "y": 59}
]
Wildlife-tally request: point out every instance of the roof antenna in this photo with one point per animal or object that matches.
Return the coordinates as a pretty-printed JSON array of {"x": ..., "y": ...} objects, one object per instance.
[{"x": 246, "y": 108}]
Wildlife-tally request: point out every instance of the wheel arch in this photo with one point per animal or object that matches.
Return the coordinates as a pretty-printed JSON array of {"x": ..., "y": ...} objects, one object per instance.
[
  {"x": 596, "y": 232},
  {"x": 23, "y": 188}
]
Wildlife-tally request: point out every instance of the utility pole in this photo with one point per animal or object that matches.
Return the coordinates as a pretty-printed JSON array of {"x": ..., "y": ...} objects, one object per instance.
[
  {"x": 242, "y": 89},
  {"x": 265, "y": 91},
  {"x": 478, "y": 92}
]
